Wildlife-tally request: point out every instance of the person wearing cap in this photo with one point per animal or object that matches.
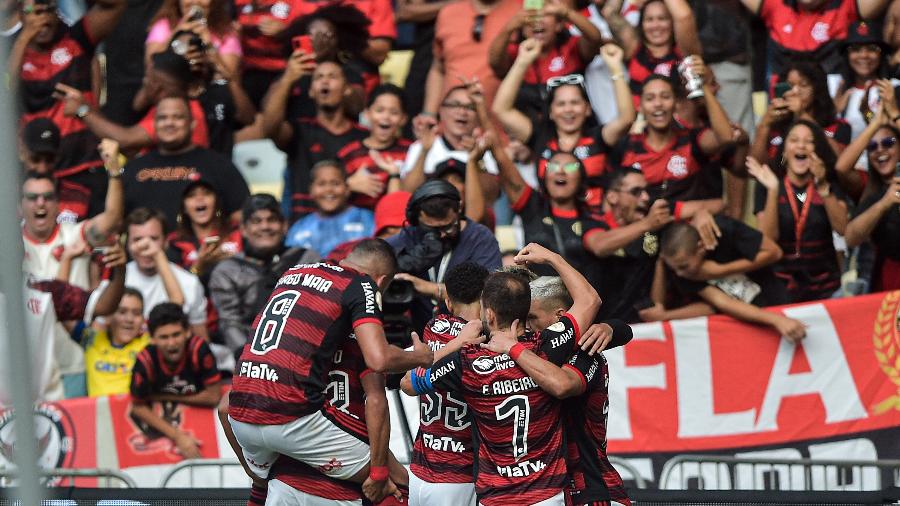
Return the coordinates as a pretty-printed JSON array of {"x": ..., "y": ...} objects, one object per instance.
[
  {"x": 216, "y": 108},
  {"x": 436, "y": 237},
  {"x": 39, "y": 146},
  {"x": 335, "y": 221},
  {"x": 240, "y": 285},
  {"x": 856, "y": 90}
]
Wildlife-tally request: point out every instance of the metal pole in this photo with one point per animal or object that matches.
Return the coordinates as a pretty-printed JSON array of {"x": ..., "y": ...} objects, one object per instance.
[{"x": 17, "y": 362}]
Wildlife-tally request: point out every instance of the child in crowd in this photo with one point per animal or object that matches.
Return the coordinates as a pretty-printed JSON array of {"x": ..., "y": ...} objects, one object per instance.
[{"x": 335, "y": 221}]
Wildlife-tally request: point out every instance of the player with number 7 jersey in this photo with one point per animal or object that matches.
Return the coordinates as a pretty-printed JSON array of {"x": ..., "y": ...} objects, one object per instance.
[{"x": 520, "y": 457}]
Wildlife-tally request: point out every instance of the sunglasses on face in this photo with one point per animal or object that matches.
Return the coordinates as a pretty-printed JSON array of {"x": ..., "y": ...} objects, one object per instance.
[
  {"x": 33, "y": 197},
  {"x": 568, "y": 168},
  {"x": 555, "y": 82},
  {"x": 637, "y": 191},
  {"x": 448, "y": 229},
  {"x": 478, "y": 28},
  {"x": 886, "y": 143}
]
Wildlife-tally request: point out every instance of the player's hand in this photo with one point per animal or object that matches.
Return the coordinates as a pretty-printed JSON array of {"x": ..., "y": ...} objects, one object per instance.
[
  {"x": 421, "y": 350},
  {"x": 596, "y": 338},
  {"x": 792, "y": 330},
  {"x": 709, "y": 231},
  {"x": 376, "y": 491},
  {"x": 534, "y": 253},
  {"x": 188, "y": 446},
  {"x": 502, "y": 341}
]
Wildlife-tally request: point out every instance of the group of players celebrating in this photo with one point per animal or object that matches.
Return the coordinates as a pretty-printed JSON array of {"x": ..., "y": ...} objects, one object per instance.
[{"x": 513, "y": 396}]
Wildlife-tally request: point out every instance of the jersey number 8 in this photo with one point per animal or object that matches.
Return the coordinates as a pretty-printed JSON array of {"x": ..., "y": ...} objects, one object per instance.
[{"x": 273, "y": 321}]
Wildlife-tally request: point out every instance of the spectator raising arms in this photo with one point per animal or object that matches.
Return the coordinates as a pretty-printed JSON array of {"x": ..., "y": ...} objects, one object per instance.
[
  {"x": 803, "y": 202},
  {"x": 568, "y": 127}
]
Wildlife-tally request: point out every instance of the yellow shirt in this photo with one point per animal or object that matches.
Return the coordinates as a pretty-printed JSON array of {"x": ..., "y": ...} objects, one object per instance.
[{"x": 109, "y": 367}]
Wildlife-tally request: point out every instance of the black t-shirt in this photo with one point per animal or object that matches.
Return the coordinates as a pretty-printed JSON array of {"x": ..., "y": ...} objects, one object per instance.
[
  {"x": 310, "y": 144},
  {"x": 221, "y": 121},
  {"x": 738, "y": 241},
  {"x": 809, "y": 267},
  {"x": 623, "y": 279},
  {"x": 540, "y": 218},
  {"x": 886, "y": 235},
  {"x": 196, "y": 371},
  {"x": 157, "y": 181}
]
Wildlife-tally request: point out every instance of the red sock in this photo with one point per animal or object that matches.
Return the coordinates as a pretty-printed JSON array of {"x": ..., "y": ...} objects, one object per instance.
[{"x": 257, "y": 495}]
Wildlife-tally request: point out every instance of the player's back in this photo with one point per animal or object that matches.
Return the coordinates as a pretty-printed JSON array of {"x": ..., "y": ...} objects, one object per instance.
[
  {"x": 283, "y": 371},
  {"x": 518, "y": 431},
  {"x": 443, "y": 452}
]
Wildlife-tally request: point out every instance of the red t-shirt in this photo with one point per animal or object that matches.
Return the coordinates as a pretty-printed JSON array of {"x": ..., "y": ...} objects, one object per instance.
[
  {"x": 200, "y": 133},
  {"x": 561, "y": 60}
]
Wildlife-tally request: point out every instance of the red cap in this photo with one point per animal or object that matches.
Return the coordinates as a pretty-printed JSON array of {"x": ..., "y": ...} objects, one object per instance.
[{"x": 391, "y": 210}]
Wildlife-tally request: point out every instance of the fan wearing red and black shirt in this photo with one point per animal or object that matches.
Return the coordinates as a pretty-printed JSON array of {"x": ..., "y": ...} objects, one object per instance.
[
  {"x": 569, "y": 127},
  {"x": 48, "y": 52},
  {"x": 443, "y": 455},
  {"x": 309, "y": 141},
  {"x": 807, "y": 99},
  {"x": 671, "y": 157},
  {"x": 373, "y": 164},
  {"x": 816, "y": 27},
  {"x": 666, "y": 32},
  {"x": 518, "y": 429},
  {"x": 175, "y": 368},
  {"x": 277, "y": 392}
]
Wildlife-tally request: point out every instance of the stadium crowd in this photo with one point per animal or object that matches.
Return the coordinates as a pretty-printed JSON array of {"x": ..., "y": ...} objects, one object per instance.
[{"x": 611, "y": 146}]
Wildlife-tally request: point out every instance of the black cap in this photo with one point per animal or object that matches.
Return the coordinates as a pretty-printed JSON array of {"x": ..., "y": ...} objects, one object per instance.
[
  {"x": 258, "y": 202},
  {"x": 173, "y": 64},
  {"x": 196, "y": 179},
  {"x": 865, "y": 32},
  {"x": 41, "y": 136},
  {"x": 449, "y": 166}
]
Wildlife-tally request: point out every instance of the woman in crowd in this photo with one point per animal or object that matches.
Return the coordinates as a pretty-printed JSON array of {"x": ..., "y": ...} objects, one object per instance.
[
  {"x": 877, "y": 217},
  {"x": 569, "y": 126},
  {"x": 206, "y": 18},
  {"x": 676, "y": 160},
  {"x": 203, "y": 237},
  {"x": 666, "y": 33},
  {"x": 801, "y": 210},
  {"x": 373, "y": 164},
  {"x": 806, "y": 99},
  {"x": 874, "y": 141}
]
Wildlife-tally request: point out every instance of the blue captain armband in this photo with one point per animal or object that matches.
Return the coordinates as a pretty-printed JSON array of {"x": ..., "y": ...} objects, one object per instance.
[{"x": 421, "y": 380}]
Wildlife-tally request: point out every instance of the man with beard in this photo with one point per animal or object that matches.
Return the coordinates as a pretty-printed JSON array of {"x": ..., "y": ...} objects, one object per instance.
[
  {"x": 309, "y": 141},
  {"x": 240, "y": 285},
  {"x": 437, "y": 238},
  {"x": 154, "y": 179},
  {"x": 175, "y": 368}
]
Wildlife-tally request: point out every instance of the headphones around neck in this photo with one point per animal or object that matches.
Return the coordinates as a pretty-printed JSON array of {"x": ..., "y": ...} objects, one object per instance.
[{"x": 429, "y": 190}]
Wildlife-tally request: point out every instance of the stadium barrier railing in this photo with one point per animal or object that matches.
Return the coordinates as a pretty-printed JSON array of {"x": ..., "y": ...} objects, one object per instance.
[{"x": 107, "y": 476}]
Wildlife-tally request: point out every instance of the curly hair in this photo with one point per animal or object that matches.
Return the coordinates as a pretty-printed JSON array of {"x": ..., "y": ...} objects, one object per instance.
[
  {"x": 351, "y": 27},
  {"x": 820, "y": 144}
]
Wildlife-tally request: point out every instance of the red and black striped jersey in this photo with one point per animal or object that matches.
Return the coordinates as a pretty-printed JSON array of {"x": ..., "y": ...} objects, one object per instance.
[
  {"x": 562, "y": 58},
  {"x": 196, "y": 371},
  {"x": 346, "y": 397},
  {"x": 68, "y": 62},
  {"x": 520, "y": 455},
  {"x": 283, "y": 371},
  {"x": 593, "y": 152},
  {"x": 260, "y": 51},
  {"x": 593, "y": 479},
  {"x": 310, "y": 480},
  {"x": 676, "y": 171},
  {"x": 814, "y": 34},
  {"x": 443, "y": 451},
  {"x": 355, "y": 156},
  {"x": 310, "y": 144},
  {"x": 643, "y": 65}
]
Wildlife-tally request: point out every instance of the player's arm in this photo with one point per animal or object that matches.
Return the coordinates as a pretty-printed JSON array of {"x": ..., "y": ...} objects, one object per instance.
[
  {"x": 556, "y": 381},
  {"x": 470, "y": 334},
  {"x": 585, "y": 299},
  {"x": 444, "y": 375},
  {"x": 382, "y": 357},
  {"x": 222, "y": 413},
  {"x": 378, "y": 425}
]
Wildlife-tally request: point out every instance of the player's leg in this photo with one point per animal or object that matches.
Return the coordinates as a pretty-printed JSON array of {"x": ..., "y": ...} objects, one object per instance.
[
  {"x": 423, "y": 493},
  {"x": 281, "y": 494},
  {"x": 222, "y": 412},
  {"x": 317, "y": 441},
  {"x": 255, "y": 453}
]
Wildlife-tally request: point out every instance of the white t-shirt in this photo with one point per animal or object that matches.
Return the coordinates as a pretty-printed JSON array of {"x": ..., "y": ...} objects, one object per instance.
[
  {"x": 438, "y": 153},
  {"x": 154, "y": 291},
  {"x": 852, "y": 114},
  {"x": 598, "y": 81},
  {"x": 40, "y": 326},
  {"x": 42, "y": 258}
]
